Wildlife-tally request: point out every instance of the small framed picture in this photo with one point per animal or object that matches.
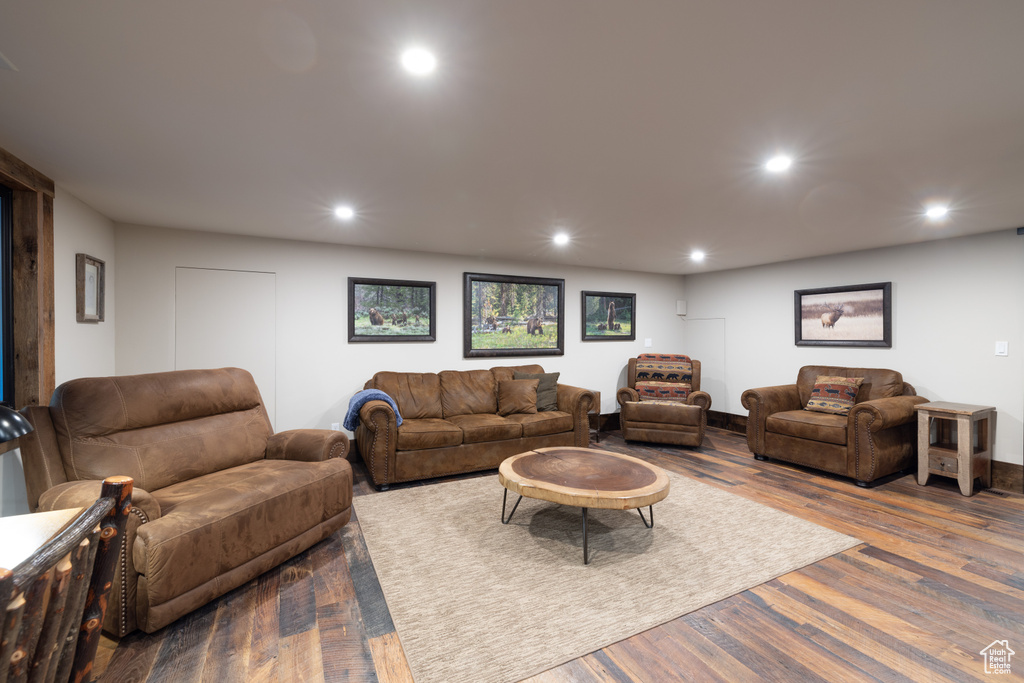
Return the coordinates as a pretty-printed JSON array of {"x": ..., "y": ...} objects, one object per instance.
[
  {"x": 90, "y": 278},
  {"x": 391, "y": 310},
  {"x": 609, "y": 316}
]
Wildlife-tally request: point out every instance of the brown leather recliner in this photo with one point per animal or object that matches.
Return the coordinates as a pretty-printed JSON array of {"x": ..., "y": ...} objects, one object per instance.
[
  {"x": 219, "y": 499},
  {"x": 663, "y": 402},
  {"x": 874, "y": 440}
]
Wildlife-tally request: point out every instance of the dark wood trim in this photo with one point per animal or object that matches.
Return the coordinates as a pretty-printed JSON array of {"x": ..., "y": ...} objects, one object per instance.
[
  {"x": 733, "y": 423},
  {"x": 32, "y": 275},
  {"x": 1007, "y": 476},
  {"x": 18, "y": 175}
]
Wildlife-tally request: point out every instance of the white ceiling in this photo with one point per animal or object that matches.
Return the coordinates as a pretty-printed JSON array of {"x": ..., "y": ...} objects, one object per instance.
[{"x": 640, "y": 127}]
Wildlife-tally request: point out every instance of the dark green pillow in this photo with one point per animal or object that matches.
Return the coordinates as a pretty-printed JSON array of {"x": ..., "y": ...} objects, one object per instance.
[{"x": 547, "y": 388}]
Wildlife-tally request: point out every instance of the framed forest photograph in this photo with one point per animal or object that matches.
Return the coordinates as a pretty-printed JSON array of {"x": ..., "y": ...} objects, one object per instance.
[
  {"x": 507, "y": 315},
  {"x": 609, "y": 316},
  {"x": 391, "y": 310},
  {"x": 852, "y": 315}
]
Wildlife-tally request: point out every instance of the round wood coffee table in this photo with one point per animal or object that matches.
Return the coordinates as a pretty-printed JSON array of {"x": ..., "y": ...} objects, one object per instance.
[{"x": 584, "y": 478}]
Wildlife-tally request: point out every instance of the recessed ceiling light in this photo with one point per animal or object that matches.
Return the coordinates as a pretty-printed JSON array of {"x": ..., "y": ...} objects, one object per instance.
[
  {"x": 697, "y": 255},
  {"x": 779, "y": 163},
  {"x": 561, "y": 239},
  {"x": 344, "y": 212},
  {"x": 937, "y": 212},
  {"x": 419, "y": 61}
]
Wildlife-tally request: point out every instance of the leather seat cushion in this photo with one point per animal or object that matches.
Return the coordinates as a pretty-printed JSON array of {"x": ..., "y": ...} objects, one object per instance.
[
  {"x": 219, "y": 521},
  {"x": 477, "y": 428},
  {"x": 542, "y": 424},
  {"x": 661, "y": 413},
  {"x": 805, "y": 424},
  {"x": 414, "y": 435}
]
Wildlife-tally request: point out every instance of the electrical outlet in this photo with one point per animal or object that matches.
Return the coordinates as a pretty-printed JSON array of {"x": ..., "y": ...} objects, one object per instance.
[
  {"x": 336, "y": 426},
  {"x": 648, "y": 343},
  {"x": 1002, "y": 348}
]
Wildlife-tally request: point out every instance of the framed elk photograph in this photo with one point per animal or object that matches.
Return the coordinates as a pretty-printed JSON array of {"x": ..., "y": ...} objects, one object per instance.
[
  {"x": 609, "y": 316},
  {"x": 391, "y": 310},
  {"x": 853, "y": 315},
  {"x": 507, "y": 315}
]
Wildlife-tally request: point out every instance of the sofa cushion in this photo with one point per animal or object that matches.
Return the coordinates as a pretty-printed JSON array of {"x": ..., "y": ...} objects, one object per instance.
[
  {"x": 508, "y": 371},
  {"x": 517, "y": 396},
  {"x": 878, "y": 382},
  {"x": 663, "y": 391},
  {"x": 805, "y": 424},
  {"x": 468, "y": 392},
  {"x": 427, "y": 433},
  {"x": 478, "y": 428},
  {"x": 542, "y": 424},
  {"x": 418, "y": 394},
  {"x": 547, "y": 390},
  {"x": 219, "y": 521},
  {"x": 159, "y": 428},
  {"x": 834, "y": 394}
]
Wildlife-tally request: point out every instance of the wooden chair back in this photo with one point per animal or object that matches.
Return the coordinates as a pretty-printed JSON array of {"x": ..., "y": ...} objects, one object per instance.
[{"x": 55, "y": 600}]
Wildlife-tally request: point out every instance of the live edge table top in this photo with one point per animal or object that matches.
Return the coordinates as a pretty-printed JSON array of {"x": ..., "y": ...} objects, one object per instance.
[{"x": 584, "y": 477}]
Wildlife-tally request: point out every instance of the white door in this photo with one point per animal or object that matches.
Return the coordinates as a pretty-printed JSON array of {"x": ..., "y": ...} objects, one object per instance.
[{"x": 228, "y": 318}]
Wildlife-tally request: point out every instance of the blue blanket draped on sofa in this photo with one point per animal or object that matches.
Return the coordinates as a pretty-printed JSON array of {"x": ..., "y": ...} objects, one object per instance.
[{"x": 361, "y": 397}]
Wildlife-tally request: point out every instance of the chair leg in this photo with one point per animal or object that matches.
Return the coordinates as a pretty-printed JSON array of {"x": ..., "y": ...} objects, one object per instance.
[{"x": 763, "y": 458}]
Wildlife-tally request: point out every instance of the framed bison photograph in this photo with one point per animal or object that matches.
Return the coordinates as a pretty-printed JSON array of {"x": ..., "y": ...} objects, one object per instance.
[
  {"x": 391, "y": 310},
  {"x": 853, "y": 315},
  {"x": 508, "y": 315},
  {"x": 609, "y": 316}
]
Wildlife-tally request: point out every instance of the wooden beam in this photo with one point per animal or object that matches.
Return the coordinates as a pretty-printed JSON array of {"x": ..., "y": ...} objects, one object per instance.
[{"x": 18, "y": 175}]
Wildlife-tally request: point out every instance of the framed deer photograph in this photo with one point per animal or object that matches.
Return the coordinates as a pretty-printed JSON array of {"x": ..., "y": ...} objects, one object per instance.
[{"x": 852, "y": 315}]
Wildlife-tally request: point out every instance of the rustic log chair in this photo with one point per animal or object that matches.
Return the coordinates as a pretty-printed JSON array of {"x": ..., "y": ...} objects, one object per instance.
[{"x": 56, "y": 599}]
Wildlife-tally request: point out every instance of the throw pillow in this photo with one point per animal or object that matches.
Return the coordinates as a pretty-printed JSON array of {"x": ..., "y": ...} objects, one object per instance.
[
  {"x": 517, "y": 396},
  {"x": 834, "y": 394},
  {"x": 547, "y": 389}
]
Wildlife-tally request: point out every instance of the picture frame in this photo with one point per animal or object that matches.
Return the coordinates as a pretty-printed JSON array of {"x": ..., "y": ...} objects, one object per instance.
[
  {"x": 510, "y": 316},
  {"x": 608, "y": 316},
  {"x": 385, "y": 310},
  {"x": 90, "y": 289},
  {"x": 851, "y": 315}
]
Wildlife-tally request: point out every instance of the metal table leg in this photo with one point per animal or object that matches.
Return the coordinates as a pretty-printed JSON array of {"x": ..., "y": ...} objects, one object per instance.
[
  {"x": 504, "y": 499},
  {"x": 586, "y": 552}
]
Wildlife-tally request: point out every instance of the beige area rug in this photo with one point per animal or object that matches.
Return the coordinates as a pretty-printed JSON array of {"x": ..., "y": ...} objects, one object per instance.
[{"x": 473, "y": 600}]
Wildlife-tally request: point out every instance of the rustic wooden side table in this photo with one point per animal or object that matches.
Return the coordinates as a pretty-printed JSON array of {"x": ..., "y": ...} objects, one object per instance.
[{"x": 965, "y": 435}]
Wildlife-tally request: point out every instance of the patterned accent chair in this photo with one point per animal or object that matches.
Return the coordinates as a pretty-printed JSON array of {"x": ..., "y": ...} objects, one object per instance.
[{"x": 663, "y": 402}]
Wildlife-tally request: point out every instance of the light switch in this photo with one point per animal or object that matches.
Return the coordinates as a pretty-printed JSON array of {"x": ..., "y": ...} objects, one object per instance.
[
  {"x": 648, "y": 343},
  {"x": 1002, "y": 348}
]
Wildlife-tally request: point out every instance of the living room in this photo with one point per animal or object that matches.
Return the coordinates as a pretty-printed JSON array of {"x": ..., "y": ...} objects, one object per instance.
[{"x": 281, "y": 308}]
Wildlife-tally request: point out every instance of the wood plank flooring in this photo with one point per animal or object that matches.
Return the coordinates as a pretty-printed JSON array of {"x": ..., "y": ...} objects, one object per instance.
[{"x": 938, "y": 578}]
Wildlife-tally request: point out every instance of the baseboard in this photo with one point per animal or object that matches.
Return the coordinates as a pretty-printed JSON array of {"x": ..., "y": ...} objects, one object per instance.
[{"x": 732, "y": 423}]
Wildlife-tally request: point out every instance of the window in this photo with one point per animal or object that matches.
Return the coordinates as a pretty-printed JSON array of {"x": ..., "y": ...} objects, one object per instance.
[{"x": 6, "y": 327}]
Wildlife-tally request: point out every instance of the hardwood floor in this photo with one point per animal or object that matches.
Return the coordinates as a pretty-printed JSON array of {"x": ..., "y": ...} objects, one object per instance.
[{"x": 937, "y": 579}]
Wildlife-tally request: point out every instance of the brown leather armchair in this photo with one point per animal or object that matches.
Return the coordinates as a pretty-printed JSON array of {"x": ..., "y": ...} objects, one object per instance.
[
  {"x": 874, "y": 440},
  {"x": 663, "y": 402},
  {"x": 218, "y": 499}
]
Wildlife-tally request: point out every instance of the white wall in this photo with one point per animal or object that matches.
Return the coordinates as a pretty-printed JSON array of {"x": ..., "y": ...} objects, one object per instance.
[
  {"x": 317, "y": 369},
  {"x": 81, "y": 349},
  {"x": 952, "y": 300}
]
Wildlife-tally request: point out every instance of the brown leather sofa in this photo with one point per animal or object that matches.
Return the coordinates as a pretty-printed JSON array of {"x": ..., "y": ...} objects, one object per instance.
[
  {"x": 663, "y": 402},
  {"x": 874, "y": 440},
  {"x": 218, "y": 500},
  {"x": 451, "y": 424}
]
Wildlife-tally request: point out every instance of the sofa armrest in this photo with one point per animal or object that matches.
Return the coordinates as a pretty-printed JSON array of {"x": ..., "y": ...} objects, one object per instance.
[
  {"x": 699, "y": 398},
  {"x": 883, "y": 413},
  {"x": 377, "y": 440},
  {"x": 577, "y": 402},
  {"x": 120, "y": 618},
  {"x": 307, "y": 445},
  {"x": 627, "y": 395},
  {"x": 763, "y": 402}
]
